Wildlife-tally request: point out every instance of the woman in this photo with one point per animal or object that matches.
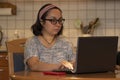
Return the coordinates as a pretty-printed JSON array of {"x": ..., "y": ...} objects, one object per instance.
[{"x": 47, "y": 51}]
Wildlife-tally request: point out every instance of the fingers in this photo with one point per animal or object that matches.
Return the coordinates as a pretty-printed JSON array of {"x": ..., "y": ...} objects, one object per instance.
[
  {"x": 62, "y": 67},
  {"x": 67, "y": 65}
]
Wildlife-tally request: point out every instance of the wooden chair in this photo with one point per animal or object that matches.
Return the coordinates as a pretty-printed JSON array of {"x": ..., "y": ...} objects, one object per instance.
[{"x": 15, "y": 51}]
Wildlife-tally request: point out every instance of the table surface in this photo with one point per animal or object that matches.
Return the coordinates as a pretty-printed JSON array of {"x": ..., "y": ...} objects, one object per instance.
[{"x": 41, "y": 76}]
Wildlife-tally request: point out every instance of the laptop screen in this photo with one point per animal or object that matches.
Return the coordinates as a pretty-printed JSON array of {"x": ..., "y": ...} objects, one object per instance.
[{"x": 96, "y": 54}]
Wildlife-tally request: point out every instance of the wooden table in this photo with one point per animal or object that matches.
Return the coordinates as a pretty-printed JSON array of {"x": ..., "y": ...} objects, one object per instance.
[{"x": 42, "y": 76}]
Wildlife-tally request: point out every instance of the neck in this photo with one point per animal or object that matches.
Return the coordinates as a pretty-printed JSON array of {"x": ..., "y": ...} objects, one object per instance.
[
  {"x": 48, "y": 39},
  {"x": 47, "y": 35}
]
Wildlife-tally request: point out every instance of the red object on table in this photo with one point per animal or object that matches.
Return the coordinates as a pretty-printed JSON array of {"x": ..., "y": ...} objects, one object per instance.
[{"x": 54, "y": 73}]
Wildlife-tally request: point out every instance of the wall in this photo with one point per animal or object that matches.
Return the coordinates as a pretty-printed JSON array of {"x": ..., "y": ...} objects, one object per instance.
[{"x": 73, "y": 10}]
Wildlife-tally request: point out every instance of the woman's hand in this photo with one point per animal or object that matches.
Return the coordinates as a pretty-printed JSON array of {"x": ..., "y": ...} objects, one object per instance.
[{"x": 66, "y": 64}]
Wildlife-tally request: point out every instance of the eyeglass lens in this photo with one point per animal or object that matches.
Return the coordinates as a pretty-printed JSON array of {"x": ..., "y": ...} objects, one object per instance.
[
  {"x": 60, "y": 21},
  {"x": 54, "y": 21}
]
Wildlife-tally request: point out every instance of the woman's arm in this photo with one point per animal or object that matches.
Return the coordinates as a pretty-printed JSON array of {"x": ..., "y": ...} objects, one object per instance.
[{"x": 36, "y": 65}]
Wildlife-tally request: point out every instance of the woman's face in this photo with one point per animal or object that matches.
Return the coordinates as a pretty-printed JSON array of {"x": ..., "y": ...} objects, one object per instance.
[{"x": 50, "y": 27}]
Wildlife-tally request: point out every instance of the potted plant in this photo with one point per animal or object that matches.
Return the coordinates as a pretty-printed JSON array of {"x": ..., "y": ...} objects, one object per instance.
[{"x": 89, "y": 29}]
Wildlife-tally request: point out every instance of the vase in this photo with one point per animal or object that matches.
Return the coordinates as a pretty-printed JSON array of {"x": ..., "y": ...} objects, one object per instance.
[{"x": 86, "y": 35}]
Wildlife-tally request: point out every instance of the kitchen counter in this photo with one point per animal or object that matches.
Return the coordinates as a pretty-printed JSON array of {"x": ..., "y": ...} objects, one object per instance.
[{"x": 3, "y": 49}]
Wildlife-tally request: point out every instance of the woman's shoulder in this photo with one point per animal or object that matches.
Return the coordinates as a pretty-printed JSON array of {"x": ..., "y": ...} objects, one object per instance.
[
  {"x": 64, "y": 40},
  {"x": 31, "y": 39}
]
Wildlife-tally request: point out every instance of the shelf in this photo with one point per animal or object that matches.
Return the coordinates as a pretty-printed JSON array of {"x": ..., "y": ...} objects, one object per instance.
[{"x": 7, "y": 8}]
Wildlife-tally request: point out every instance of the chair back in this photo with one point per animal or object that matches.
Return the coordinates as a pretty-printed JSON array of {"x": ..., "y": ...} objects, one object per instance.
[{"x": 16, "y": 55}]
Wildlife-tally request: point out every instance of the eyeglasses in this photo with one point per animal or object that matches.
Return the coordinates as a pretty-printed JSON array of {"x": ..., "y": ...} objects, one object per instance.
[{"x": 54, "y": 21}]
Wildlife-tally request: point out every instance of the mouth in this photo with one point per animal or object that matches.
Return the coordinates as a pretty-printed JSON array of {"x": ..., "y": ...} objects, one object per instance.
[{"x": 56, "y": 30}]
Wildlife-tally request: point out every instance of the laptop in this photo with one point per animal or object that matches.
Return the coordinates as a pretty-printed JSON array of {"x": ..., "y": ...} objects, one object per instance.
[{"x": 96, "y": 54}]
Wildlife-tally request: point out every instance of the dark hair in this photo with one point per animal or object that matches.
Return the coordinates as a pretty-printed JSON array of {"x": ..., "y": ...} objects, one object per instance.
[{"x": 37, "y": 27}]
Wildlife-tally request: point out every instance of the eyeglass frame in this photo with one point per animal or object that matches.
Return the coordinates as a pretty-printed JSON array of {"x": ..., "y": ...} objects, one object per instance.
[{"x": 54, "y": 21}]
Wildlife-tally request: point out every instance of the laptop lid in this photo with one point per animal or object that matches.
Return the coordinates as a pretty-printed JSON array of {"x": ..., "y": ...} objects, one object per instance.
[{"x": 96, "y": 54}]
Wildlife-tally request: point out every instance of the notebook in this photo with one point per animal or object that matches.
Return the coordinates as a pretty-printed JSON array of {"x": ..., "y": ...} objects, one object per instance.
[{"x": 96, "y": 54}]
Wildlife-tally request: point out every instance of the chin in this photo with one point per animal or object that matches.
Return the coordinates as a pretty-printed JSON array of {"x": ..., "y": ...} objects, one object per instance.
[{"x": 55, "y": 34}]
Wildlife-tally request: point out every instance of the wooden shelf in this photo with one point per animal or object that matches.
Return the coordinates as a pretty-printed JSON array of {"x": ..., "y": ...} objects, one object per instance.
[{"x": 7, "y": 5}]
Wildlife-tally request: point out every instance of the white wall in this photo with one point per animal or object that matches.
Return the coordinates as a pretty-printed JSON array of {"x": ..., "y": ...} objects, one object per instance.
[{"x": 85, "y": 10}]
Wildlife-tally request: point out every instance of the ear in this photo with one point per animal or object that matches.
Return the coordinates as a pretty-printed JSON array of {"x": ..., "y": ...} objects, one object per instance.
[{"x": 42, "y": 22}]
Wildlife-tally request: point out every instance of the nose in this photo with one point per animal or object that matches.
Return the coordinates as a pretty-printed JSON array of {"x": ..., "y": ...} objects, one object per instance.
[{"x": 58, "y": 24}]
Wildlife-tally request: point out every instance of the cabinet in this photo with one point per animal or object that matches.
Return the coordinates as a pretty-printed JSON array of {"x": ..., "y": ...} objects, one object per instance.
[{"x": 4, "y": 72}]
